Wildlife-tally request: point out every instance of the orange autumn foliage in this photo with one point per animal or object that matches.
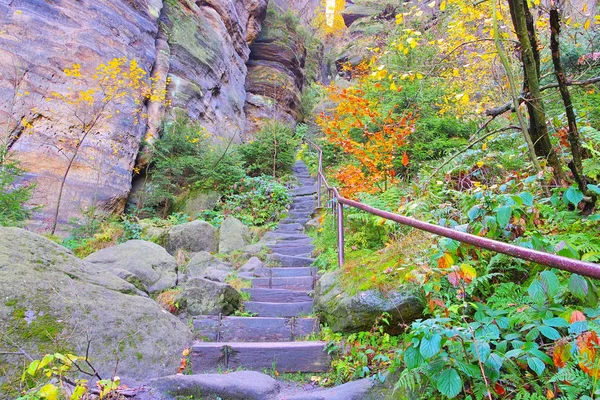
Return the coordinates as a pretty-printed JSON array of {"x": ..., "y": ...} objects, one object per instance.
[
  {"x": 373, "y": 138},
  {"x": 588, "y": 345}
]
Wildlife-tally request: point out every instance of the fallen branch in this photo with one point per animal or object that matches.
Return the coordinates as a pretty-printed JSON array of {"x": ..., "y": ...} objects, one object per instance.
[{"x": 496, "y": 111}]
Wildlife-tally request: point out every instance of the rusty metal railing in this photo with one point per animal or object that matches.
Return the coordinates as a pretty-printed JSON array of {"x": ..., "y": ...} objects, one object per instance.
[{"x": 568, "y": 264}]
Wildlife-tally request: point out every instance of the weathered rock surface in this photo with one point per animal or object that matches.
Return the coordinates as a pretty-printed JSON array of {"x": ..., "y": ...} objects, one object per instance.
[
  {"x": 353, "y": 313},
  {"x": 233, "y": 235},
  {"x": 196, "y": 202},
  {"x": 193, "y": 236},
  {"x": 241, "y": 385},
  {"x": 355, "y": 390},
  {"x": 50, "y": 299},
  {"x": 252, "y": 265},
  {"x": 146, "y": 265},
  {"x": 39, "y": 40},
  {"x": 209, "y": 49},
  {"x": 205, "y": 265},
  {"x": 275, "y": 74},
  {"x": 201, "y": 46},
  {"x": 205, "y": 297}
]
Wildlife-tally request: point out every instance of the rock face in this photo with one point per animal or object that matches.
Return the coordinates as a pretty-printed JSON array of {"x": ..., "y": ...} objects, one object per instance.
[
  {"x": 50, "y": 299},
  {"x": 202, "y": 46},
  {"x": 275, "y": 73},
  {"x": 144, "y": 264},
  {"x": 358, "y": 312},
  {"x": 233, "y": 235},
  {"x": 194, "y": 237},
  {"x": 209, "y": 48},
  {"x": 205, "y": 297},
  {"x": 39, "y": 40}
]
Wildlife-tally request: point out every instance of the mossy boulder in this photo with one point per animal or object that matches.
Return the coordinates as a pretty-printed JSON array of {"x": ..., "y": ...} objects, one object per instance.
[
  {"x": 194, "y": 237},
  {"x": 51, "y": 301},
  {"x": 355, "y": 312},
  {"x": 145, "y": 264},
  {"x": 205, "y": 297}
]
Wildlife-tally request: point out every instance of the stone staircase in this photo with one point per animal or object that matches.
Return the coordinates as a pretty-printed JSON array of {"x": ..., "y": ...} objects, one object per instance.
[{"x": 281, "y": 297}]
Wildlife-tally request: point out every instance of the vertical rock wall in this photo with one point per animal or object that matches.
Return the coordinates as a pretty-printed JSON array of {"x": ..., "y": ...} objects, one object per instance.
[
  {"x": 209, "y": 49},
  {"x": 205, "y": 56},
  {"x": 38, "y": 40},
  {"x": 276, "y": 74}
]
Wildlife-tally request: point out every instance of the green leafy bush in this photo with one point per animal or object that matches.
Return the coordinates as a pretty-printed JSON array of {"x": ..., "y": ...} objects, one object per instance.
[
  {"x": 256, "y": 200},
  {"x": 13, "y": 211},
  {"x": 273, "y": 152},
  {"x": 185, "y": 159}
]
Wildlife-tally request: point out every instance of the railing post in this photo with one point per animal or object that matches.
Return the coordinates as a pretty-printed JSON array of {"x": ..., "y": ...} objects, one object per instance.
[
  {"x": 340, "y": 229},
  {"x": 319, "y": 189},
  {"x": 319, "y": 178}
]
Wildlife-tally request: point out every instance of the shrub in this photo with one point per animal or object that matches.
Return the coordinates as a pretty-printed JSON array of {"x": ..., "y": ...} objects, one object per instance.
[
  {"x": 12, "y": 197},
  {"x": 256, "y": 201},
  {"x": 183, "y": 159},
  {"x": 272, "y": 152}
]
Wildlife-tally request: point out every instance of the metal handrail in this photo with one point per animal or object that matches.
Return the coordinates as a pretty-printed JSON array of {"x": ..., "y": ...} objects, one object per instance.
[{"x": 552, "y": 260}]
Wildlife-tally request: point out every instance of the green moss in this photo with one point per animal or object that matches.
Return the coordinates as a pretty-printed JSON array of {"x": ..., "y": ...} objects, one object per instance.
[
  {"x": 11, "y": 302},
  {"x": 194, "y": 34}
]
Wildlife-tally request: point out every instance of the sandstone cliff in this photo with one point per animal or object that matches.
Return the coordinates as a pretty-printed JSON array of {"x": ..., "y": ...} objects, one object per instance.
[{"x": 203, "y": 46}]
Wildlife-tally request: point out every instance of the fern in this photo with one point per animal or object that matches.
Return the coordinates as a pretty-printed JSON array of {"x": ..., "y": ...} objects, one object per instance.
[
  {"x": 409, "y": 380},
  {"x": 591, "y": 166},
  {"x": 523, "y": 394},
  {"x": 572, "y": 382}
]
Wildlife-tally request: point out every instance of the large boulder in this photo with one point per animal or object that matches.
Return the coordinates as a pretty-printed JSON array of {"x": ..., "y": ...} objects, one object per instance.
[
  {"x": 146, "y": 265},
  {"x": 233, "y": 235},
  {"x": 205, "y": 297},
  {"x": 205, "y": 265},
  {"x": 193, "y": 236},
  {"x": 198, "y": 201},
  {"x": 54, "y": 302},
  {"x": 357, "y": 312}
]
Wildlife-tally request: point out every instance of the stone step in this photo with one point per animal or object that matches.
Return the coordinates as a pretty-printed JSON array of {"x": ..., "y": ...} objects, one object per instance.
[
  {"x": 301, "y": 199},
  {"x": 290, "y": 283},
  {"x": 283, "y": 357},
  {"x": 306, "y": 181},
  {"x": 278, "y": 295},
  {"x": 264, "y": 309},
  {"x": 299, "y": 214},
  {"x": 286, "y": 272},
  {"x": 296, "y": 242},
  {"x": 289, "y": 228},
  {"x": 253, "y": 329},
  {"x": 305, "y": 208},
  {"x": 291, "y": 237},
  {"x": 289, "y": 261},
  {"x": 300, "y": 221},
  {"x": 304, "y": 190},
  {"x": 291, "y": 250}
]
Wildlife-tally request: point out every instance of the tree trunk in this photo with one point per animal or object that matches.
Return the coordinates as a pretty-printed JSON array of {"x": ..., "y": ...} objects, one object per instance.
[
  {"x": 525, "y": 30},
  {"x": 572, "y": 133}
]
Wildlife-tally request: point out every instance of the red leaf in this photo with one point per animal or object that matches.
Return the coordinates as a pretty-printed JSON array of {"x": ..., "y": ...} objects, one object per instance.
[
  {"x": 454, "y": 278},
  {"x": 405, "y": 159},
  {"x": 562, "y": 354},
  {"x": 576, "y": 316},
  {"x": 499, "y": 389}
]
